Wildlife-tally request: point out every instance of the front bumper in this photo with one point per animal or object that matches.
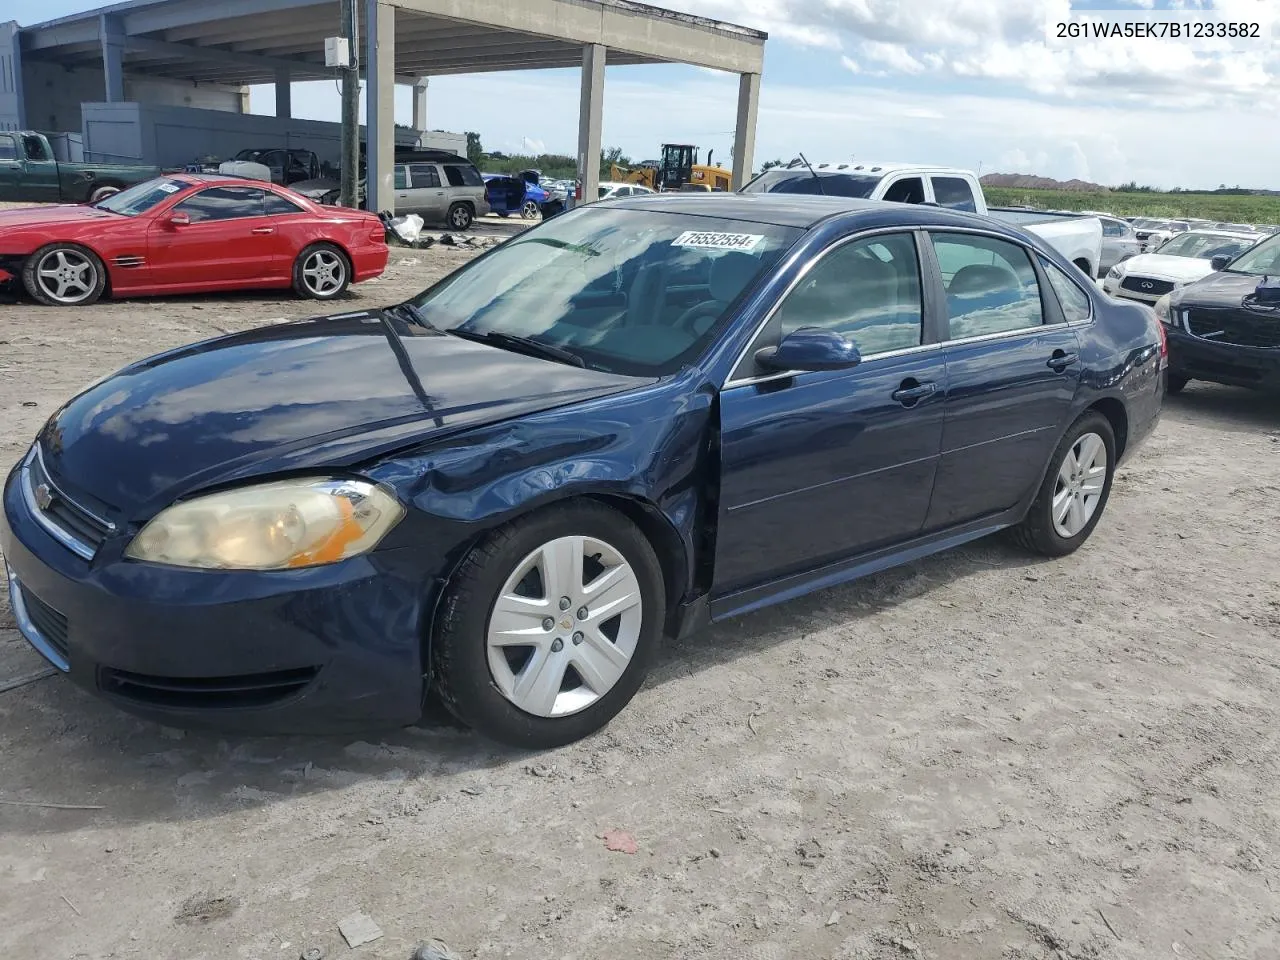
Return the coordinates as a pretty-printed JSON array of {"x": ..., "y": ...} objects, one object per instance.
[
  {"x": 325, "y": 650},
  {"x": 1190, "y": 356}
]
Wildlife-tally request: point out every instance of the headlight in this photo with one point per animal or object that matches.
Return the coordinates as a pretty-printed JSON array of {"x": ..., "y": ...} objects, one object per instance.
[
  {"x": 1162, "y": 309},
  {"x": 271, "y": 526},
  {"x": 1115, "y": 273}
]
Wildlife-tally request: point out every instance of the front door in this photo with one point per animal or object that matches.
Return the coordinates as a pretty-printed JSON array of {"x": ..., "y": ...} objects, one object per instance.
[
  {"x": 1012, "y": 372},
  {"x": 39, "y": 181},
  {"x": 823, "y": 465},
  {"x": 230, "y": 239}
]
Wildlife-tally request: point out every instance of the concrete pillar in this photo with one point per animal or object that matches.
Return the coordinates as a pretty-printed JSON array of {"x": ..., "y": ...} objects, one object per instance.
[
  {"x": 590, "y": 119},
  {"x": 744, "y": 136},
  {"x": 380, "y": 108},
  {"x": 420, "y": 104},
  {"x": 284, "y": 93},
  {"x": 111, "y": 33}
]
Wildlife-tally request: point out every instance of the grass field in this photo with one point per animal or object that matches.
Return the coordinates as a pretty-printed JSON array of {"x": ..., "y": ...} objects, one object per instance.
[{"x": 1207, "y": 206}]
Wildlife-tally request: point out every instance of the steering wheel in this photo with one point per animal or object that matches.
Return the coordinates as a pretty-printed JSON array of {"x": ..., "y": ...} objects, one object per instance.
[{"x": 707, "y": 308}]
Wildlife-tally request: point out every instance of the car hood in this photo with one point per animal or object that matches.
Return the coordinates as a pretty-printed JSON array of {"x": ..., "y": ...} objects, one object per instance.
[
  {"x": 1164, "y": 267},
  {"x": 62, "y": 213},
  {"x": 1221, "y": 288},
  {"x": 315, "y": 394}
]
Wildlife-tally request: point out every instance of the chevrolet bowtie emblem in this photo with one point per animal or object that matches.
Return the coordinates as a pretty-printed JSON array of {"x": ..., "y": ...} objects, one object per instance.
[{"x": 44, "y": 496}]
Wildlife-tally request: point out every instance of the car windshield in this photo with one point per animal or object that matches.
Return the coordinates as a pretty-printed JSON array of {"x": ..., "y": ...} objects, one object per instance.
[
  {"x": 250, "y": 155},
  {"x": 640, "y": 293},
  {"x": 801, "y": 180},
  {"x": 1262, "y": 260},
  {"x": 142, "y": 197},
  {"x": 1204, "y": 246}
]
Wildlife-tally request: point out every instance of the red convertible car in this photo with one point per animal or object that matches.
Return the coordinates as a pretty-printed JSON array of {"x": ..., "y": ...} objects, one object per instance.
[{"x": 190, "y": 234}]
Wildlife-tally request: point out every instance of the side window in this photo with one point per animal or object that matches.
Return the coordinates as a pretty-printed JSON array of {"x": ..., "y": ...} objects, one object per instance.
[
  {"x": 867, "y": 290},
  {"x": 622, "y": 192},
  {"x": 223, "y": 203},
  {"x": 402, "y": 178},
  {"x": 954, "y": 192},
  {"x": 35, "y": 149},
  {"x": 8, "y": 149},
  {"x": 991, "y": 285},
  {"x": 278, "y": 206},
  {"x": 462, "y": 175},
  {"x": 423, "y": 176},
  {"x": 1112, "y": 228},
  {"x": 907, "y": 190},
  {"x": 1075, "y": 302}
]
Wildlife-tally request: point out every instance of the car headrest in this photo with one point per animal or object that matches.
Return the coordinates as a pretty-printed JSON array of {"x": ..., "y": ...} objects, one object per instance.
[
  {"x": 730, "y": 273},
  {"x": 978, "y": 279}
]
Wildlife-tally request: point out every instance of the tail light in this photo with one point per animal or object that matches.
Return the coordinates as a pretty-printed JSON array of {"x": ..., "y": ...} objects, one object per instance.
[
  {"x": 1164, "y": 345},
  {"x": 378, "y": 234}
]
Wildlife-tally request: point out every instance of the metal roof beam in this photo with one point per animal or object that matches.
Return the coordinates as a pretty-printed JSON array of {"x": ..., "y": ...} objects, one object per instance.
[
  {"x": 180, "y": 51},
  {"x": 182, "y": 13}
]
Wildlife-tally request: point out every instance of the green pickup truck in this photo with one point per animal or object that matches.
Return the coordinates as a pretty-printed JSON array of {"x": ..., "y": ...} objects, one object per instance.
[{"x": 29, "y": 173}]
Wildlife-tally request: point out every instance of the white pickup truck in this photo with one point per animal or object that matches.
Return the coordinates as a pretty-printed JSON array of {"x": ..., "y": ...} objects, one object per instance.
[{"x": 1078, "y": 238}]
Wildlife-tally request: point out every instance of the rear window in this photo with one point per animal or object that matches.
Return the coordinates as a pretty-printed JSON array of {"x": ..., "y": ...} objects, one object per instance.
[
  {"x": 460, "y": 175},
  {"x": 802, "y": 181}
]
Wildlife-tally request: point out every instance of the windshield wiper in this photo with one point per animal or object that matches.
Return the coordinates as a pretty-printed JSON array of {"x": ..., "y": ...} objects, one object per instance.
[
  {"x": 412, "y": 313},
  {"x": 521, "y": 344}
]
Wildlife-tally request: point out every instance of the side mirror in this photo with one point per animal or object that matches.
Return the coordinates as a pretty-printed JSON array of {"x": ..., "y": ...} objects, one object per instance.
[
  {"x": 810, "y": 348},
  {"x": 180, "y": 220},
  {"x": 1220, "y": 261}
]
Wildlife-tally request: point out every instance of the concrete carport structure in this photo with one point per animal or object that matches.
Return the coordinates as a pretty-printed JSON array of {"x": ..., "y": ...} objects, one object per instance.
[{"x": 246, "y": 42}]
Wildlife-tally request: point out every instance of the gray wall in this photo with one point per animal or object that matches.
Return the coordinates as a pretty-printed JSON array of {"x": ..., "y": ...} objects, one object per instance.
[
  {"x": 54, "y": 93},
  {"x": 175, "y": 136},
  {"x": 10, "y": 79}
]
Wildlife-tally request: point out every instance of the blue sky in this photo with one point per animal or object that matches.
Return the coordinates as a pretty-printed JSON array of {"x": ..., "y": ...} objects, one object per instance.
[{"x": 964, "y": 82}]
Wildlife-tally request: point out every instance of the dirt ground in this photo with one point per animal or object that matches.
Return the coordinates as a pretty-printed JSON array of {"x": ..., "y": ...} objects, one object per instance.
[{"x": 975, "y": 756}]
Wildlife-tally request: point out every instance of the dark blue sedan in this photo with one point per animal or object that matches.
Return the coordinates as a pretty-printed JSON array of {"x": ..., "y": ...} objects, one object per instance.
[{"x": 635, "y": 419}]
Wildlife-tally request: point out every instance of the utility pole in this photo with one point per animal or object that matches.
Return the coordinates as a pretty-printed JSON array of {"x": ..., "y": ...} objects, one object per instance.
[{"x": 350, "y": 191}]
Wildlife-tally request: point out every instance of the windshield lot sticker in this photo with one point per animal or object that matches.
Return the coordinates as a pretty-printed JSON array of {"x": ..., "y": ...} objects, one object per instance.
[
  {"x": 170, "y": 187},
  {"x": 717, "y": 241}
]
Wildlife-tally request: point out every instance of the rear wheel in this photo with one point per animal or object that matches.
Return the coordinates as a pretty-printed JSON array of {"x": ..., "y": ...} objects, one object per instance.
[
  {"x": 1176, "y": 383},
  {"x": 64, "y": 275},
  {"x": 530, "y": 210},
  {"x": 1074, "y": 492},
  {"x": 321, "y": 272},
  {"x": 549, "y": 626},
  {"x": 460, "y": 216}
]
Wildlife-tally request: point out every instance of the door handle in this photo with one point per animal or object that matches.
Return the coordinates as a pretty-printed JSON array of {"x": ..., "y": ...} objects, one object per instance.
[
  {"x": 264, "y": 229},
  {"x": 1061, "y": 360},
  {"x": 912, "y": 392}
]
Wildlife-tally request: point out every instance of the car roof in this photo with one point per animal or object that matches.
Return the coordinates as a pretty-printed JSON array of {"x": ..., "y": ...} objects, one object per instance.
[
  {"x": 806, "y": 210},
  {"x": 879, "y": 167}
]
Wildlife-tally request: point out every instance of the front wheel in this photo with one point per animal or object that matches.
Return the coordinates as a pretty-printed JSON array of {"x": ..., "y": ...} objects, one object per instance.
[
  {"x": 548, "y": 628},
  {"x": 321, "y": 272},
  {"x": 1075, "y": 490},
  {"x": 102, "y": 193},
  {"x": 64, "y": 275},
  {"x": 460, "y": 216}
]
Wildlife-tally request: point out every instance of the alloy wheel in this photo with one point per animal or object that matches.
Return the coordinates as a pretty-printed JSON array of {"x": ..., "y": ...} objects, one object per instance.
[
  {"x": 324, "y": 272},
  {"x": 460, "y": 219},
  {"x": 530, "y": 210},
  {"x": 1082, "y": 478},
  {"x": 67, "y": 276},
  {"x": 564, "y": 627}
]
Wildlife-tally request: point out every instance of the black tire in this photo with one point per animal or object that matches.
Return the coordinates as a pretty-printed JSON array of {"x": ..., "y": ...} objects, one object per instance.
[
  {"x": 102, "y": 192},
  {"x": 462, "y": 675},
  {"x": 44, "y": 258},
  {"x": 1036, "y": 532},
  {"x": 307, "y": 287},
  {"x": 460, "y": 216},
  {"x": 1176, "y": 383}
]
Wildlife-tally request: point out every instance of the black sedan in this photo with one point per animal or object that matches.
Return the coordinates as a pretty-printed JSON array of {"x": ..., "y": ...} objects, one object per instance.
[
  {"x": 1225, "y": 328},
  {"x": 633, "y": 420}
]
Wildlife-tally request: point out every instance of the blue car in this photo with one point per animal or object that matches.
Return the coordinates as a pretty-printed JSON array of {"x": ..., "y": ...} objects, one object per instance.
[
  {"x": 519, "y": 195},
  {"x": 625, "y": 423}
]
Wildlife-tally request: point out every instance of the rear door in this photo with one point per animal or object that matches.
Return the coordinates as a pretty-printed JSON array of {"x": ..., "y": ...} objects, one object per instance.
[
  {"x": 1013, "y": 368},
  {"x": 423, "y": 191},
  {"x": 230, "y": 239},
  {"x": 822, "y": 465}
]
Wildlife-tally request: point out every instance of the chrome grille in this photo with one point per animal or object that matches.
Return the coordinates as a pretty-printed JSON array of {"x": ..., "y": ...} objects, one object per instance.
[
  {"x": 1146, "y": 286},
  {"x": 74, "y": 526}
]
